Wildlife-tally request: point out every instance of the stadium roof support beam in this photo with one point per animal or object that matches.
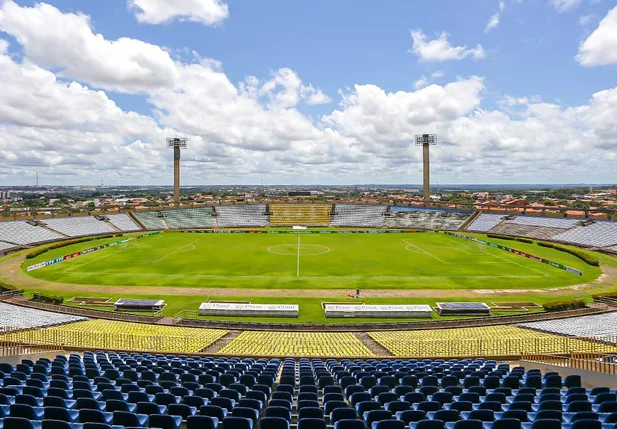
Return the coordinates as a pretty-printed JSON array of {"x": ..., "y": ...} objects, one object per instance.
[{"x": 426, "y": 141}]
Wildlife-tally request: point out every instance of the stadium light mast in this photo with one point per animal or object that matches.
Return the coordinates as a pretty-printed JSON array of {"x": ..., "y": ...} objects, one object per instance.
[
  {"x": 426, "y": 141},
  {"x": 177, "y": 144}
]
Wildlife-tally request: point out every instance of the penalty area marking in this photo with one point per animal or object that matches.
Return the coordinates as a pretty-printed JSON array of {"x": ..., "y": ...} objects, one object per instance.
[
  {"x": 423, "y": 251},
  {"x": 180, "y": 250}
]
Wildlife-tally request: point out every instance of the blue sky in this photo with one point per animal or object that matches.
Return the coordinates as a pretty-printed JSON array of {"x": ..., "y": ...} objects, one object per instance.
[{"x": 339, "y": 89}]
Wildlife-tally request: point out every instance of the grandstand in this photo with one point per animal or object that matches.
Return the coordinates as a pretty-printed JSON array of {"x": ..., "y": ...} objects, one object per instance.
[
  {"x": 485, "y": 222},
  {"x": 549, "y": 222},
  {"x": 107, "y": 334},
  {"x": 199, "y": 217},
  {"x": 79, "y": 226},
  {"x": 300, "y": 214},
  {"x": 123, "y": 222},
  {"x": 6, "y": 246},
  {"x": 152, "y": 220},
  {"x": 484, "y": 341},
  {"x": 599, "y": 234},
  {"x": 409, "y": 217},
  {"x": 359, "y": 216},
  {"x": 14, "y": 317},
  {"x": 593, "y": 326},
  {"x": 238, "y": 216},
  {"x": 22, "y": 233},
  {"x": 537, "y": 232},
  {"x": 99, "y": 389},
  {"x": 296, "y": 344}
]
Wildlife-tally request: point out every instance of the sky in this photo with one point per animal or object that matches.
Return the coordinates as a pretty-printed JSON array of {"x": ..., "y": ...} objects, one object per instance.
[{"x": 308, "y": 92}]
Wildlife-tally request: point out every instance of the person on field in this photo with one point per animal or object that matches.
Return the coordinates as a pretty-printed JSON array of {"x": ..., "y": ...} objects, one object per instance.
[{"x": 357, "y": 293}]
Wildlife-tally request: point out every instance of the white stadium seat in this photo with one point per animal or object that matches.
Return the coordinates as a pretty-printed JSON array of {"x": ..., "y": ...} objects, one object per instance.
[
  {"x": 359, "y": 215},
  {"x": 78, "y": 226},
  {"x": 21, "y": 232},
  {"x": 123, "y": 222},
  {"x": 16, "y": 317}
]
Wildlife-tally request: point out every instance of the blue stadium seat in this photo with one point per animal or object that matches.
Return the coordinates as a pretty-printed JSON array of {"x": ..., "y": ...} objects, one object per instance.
[
  {"x": 20, "y": 423},
  {"x": 265, "y": 423},
  {"x": 236, "y": 423},
  {"x": 58, "y": 413},
  {"x": 213, "y": 411},
  {"x": 128, "y": 419},
  {"x": 310, "y": 424},
  {"x": 468, "y": 424},
  {"x": 506, "y": 424},
  {"x": 428, "y": 424},
  {"x": 165, "y": 421}
]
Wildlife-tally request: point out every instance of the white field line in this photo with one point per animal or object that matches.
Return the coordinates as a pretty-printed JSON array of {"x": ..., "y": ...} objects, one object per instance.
[
  {"x": 177, "y": 250},
  {"x": 424, "y": 251},
  {"x": 96, "y": 259},
  {"x": 298, "y": 259},
  {"x": 457, "y": 248},
  {"x": 516, "y": 263},
  {"x": 209, "y": 276}
]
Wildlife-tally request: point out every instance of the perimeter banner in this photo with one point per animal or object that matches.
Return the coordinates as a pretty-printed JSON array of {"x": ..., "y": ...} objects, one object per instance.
[
  {"x": 75, "y": 255},
  {"x": 150, "y": 234},
  {"x": 518, "y": 252},
  {"x": 293, "y": 232}
]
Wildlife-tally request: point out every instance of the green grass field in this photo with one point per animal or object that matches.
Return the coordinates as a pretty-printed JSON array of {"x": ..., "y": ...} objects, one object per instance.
[
  {"x": 329, "y": 261},
  {"x": 432, "y": 267}
]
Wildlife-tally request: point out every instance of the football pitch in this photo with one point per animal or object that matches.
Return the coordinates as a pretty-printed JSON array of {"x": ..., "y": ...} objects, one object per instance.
[{"x": 312, "y": 261}]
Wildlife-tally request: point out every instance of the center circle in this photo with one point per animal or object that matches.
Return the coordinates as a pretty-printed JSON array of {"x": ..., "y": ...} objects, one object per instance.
[{"x": 292, "y": 249}]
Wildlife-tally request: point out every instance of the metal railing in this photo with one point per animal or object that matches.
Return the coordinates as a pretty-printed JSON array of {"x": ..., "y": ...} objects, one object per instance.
[
  {"x": 188, "y": 319},
  {"x": 85, "y": 312},
  {"x": 596, "y": 362},
  {"x": 67, "y": 338},
  {"x": 9, "y": 347}
]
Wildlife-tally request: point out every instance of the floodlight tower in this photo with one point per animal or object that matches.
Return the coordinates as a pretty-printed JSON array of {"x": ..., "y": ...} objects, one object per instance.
[
  {"x": 426, "y": 141},
  {"x": 177, "y": 144}
]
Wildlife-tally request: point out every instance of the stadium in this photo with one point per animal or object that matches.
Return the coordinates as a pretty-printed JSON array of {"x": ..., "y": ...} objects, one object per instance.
[{"x": 337, "y": 296}]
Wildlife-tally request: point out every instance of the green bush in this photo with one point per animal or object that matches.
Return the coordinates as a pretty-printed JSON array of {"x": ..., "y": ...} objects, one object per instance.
[
  {"x": 524, "y": 240},
  {"x": 5, "y": 286},
  {"x": 588, "y": 259},
  {"x": 47, "y": 299},
  {"x": 500, "y": 237},
  {"x": 605, "y": 295},
  {"x": 38, "y": 252},
  {"x": 507, "y": 237},
  {"x": 564, "y": 305}
]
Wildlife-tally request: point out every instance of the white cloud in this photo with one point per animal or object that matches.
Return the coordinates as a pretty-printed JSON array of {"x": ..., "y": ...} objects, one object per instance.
[
  {"x": 67, "y": 42},
  {"x": 600, "y": 47},
  {"x": 69, "y": 130},
  {"x": 371, "y": 115},
  {"x": 30, "y": 95},
  {"x": 285, "y": 89},
  {"x": 565, "y": 5},
  {"x": 440, "y": 49},
  {"x": 585, "y": 20},
  {"x": 492, "y": 23},
  {"x": 424, "y": 80},
  {"x": 243, "y": 133},
  {"x": 208, "y": 12},
  {"x": 421, "y": 83}
]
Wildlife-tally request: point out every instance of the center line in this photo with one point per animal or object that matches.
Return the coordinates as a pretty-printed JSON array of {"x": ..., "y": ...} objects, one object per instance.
[{"x": 298, "y": 262}]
